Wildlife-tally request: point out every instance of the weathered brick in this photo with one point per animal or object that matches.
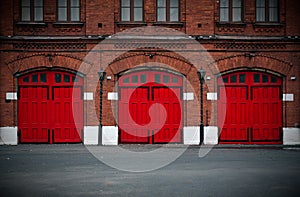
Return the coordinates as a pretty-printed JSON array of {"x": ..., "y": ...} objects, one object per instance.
[{"x": 102, "y": 17}]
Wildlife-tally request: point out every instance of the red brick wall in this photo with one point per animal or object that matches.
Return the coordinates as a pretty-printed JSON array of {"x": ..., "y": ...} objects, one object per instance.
[
  {"x": 198, "y": 18},
  {"x": 292, "y": 18},
  {"x": 202, "y": 14},
  {"x": 6, "y": 15},
  {"x": 102, "y": 17}
]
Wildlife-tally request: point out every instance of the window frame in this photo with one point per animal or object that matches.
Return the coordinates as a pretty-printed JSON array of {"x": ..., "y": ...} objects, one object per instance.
[
  {"x": 168, "y": 12},
  {"x": 32, "y": 13},
  {"x": 230, "y": 12},
  {"x": 267, "y": 12},
  {"x": 131, "y": 7},
  {"x": 68, "y": 12}
]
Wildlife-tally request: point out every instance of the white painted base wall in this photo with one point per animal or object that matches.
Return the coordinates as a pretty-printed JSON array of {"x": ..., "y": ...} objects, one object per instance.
[
  {"x": 90, "y": 135},
  {"x": 8, "y": 135},
  {"x": 291, "y": 136},
  {"x": 191, "y": 135},
  {"x": 210, "y": 135},
  {"x": 110, "y": 135}
]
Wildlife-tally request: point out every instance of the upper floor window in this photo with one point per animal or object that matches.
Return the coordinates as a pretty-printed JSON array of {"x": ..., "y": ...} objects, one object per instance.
[
  {"x": 167, "y": 10},
  {"x": 68, "y": 10},
  {"x": 267, "y": 10},
  {"x": 132, "y": 10},
  {"x": 231, "y": 10},
  {"x": 32, "y": 10}
]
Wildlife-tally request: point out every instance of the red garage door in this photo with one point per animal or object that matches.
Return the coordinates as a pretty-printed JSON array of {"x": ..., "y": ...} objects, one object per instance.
[
  {"x": 150, "y": 107},
  {"x": 50, "y": 107},
  {"x": 252, "y": 107}
]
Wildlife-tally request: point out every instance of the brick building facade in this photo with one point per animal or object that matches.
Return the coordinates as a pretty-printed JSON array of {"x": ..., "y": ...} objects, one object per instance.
[{"x": 51, "y": 49}]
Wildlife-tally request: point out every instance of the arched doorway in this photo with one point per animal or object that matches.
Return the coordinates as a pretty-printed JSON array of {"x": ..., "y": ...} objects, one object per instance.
[
  {"x": 253, "y": 106},
  {"x": 138, "y": 92},
  {"x": 50, "y": 107}
]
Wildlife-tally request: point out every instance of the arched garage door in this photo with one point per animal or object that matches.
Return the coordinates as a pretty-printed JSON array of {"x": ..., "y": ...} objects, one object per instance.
[
  {"x": 253, "y": 105},
  {"x": 138, "y": 122},
  {"x": 46, "y": 103}
]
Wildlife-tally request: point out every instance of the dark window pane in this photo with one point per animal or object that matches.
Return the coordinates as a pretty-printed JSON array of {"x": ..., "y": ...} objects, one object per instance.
[
  {"x": 236, "y": 3},
  {"x": 161, "y": 3},
  {"x": 236, "y": 14},
  {"x": 242, "y": 78},
  {"x": 26, "y": 79},
  {"x": 57, "y": 78},
  {"x": 224, "y": 10},
  {"x": 224, "y": 15},
  {"x": 125, "y": 3},
  {"x": 260, "y": 3},
  {"x": 138, "y": 3},
  {"x": 62, "y": 10},
  {"x": 273, "y": 15},
  {"x": 25, "y": 2},
  {"x": 174, "y": 15},
  {"x": 125, "y": 10},
  {"x": 236, "y": 10},
  {"x": 74, "y": 79},
  {"x": 224, "y": 3},
  {"x": 256, "y": 78},
  {"x": 273, "y": 11},
  {"x": 134, "y": 79},
  {"x": 161, "y": 10},
  {"x": 34, "y": 78},
  {"x": 143, "y": 78},
  {"x": 157, "y": 78},
  {"x": 138, "y": 14},
  {"x": 260, "y": 14},
  {"x": 38, "y": 3},
  {"x": 166, "y": 79},
  {"x": 25, "y": 14},
  {"x": 126, "y": 80},
  {"x": 43, "y": 77},
  {"x": 273, "y": 80},
  {"x": 66, "y": 78},
  {"x": 265, "y": 79},
  {"x": 62, "y": 14},
  {"x": 74, "y": 14},
  {"x": 173, "y": 3},
  {"x": 62, "y": 3},
  {"x": 125, "y": 14},
  {"x": 273, "y": 3},
  {"x": 260, "y": 10},
  {"x": 225, "y": 80},
  {"x": 38, "y": 14},
  {"x": 161, "y": 14},
  {"x": 75, "y": 3},
  {"x": 233, "y": 79},
  {"x": 174, "y": 80}
]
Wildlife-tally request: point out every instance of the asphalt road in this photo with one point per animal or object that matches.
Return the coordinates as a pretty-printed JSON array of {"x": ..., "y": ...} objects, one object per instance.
[{"x": 71, "y": 170}]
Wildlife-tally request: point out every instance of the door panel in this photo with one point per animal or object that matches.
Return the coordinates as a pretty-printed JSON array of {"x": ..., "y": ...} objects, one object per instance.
[
  {"x": 170, "y": 131},
  {"x": 64, "y": 127},
  {"x": 266, "y": 114},
  {"x": 150, "y": 108},
  {"x": 33, "y": 114},
  {"x": 235, "y": 124},
  {"x": 133, "y": 112},
  {"x": 253, "y": 119},
  {"x": 45, "y": 107}
]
